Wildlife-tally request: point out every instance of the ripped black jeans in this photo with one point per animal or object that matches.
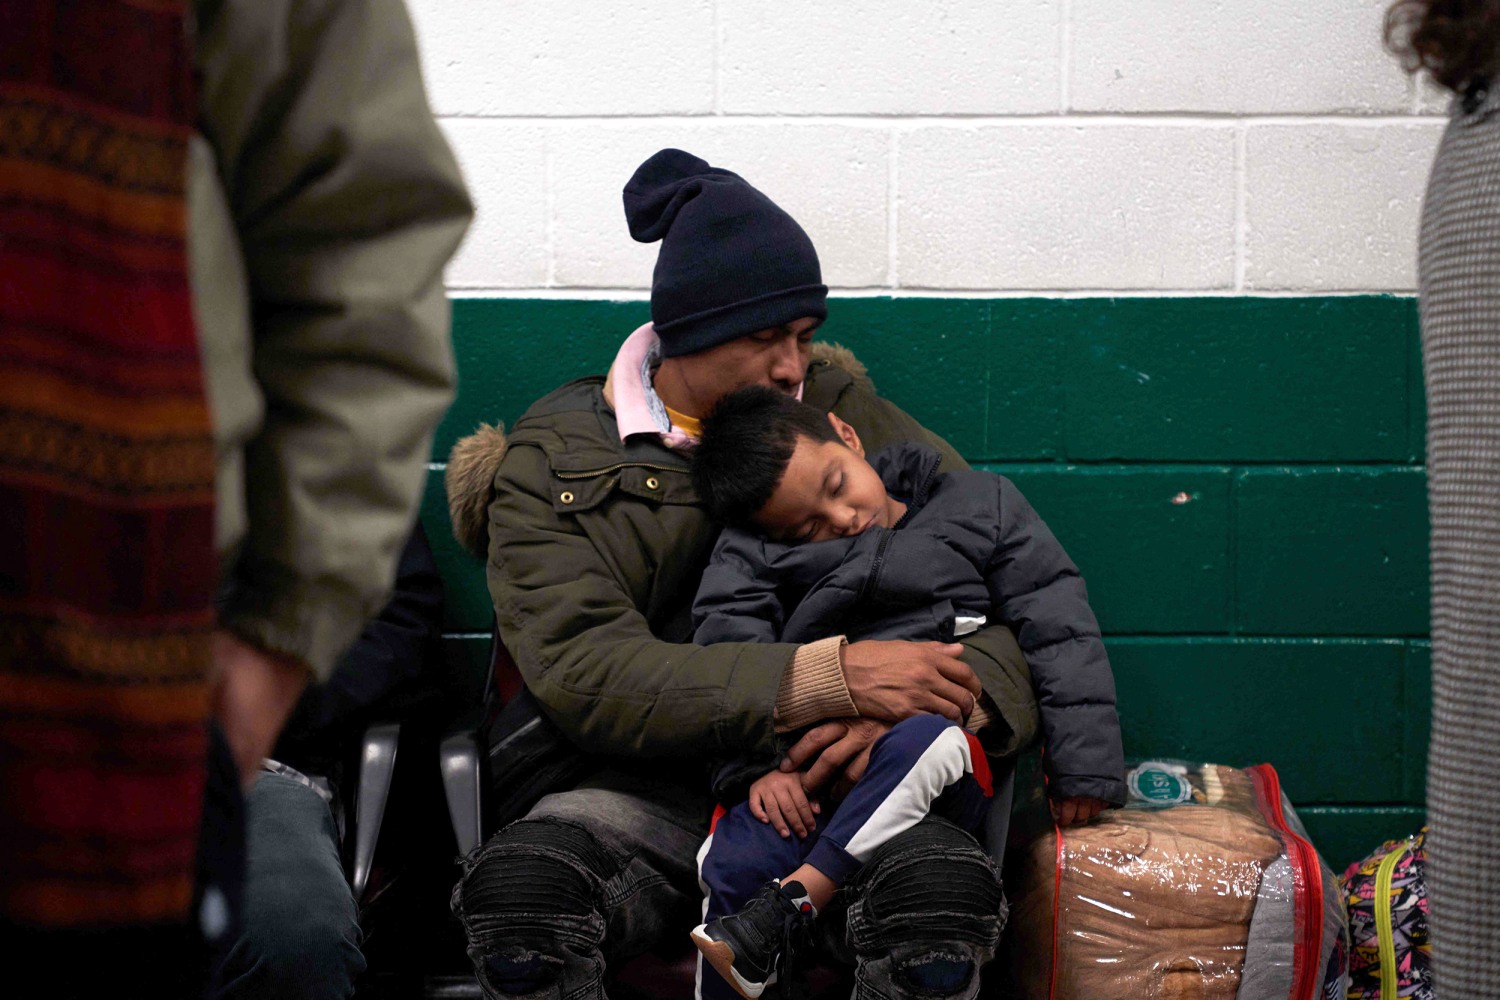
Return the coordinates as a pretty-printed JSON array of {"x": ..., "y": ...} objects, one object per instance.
[{"x": 595, "y": 876}]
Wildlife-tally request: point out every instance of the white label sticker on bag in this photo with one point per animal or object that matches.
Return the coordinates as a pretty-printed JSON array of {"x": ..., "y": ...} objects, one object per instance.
[{"x": 1159, "y": 783}]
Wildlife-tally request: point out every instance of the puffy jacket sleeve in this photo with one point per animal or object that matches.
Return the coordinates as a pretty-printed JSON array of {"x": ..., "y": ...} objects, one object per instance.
[
  {"x": 588, "y": 654},
  {"x": 347, "y": 203},
  {"x": 737, "y": 599},
  {"x": 1038, "y": 591}
]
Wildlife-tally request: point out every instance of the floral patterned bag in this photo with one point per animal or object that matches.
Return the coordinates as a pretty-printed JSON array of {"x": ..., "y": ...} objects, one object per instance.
[{"x": 1387, "y": 898}]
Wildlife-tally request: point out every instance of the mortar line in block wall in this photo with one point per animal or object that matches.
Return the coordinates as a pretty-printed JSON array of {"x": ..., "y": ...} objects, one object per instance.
[
  {"x": 1403, "y": 692},
  {"x": 1416, "y": 436},
  {"x": 920, "y": 292},
  {"x": 1413, "y": 95},
  {"x": 1232, "y": 550},
  {"x": 989, "y": 328},
  {"x": 893, "y": 206},
  {"x": 718, "y": 56},
  {"x": 1064, "y": 55},
  {"x": 1072, "y": 119},
  {"x": 548, "y": 199},
  {"x": 1241, "y": 223}
]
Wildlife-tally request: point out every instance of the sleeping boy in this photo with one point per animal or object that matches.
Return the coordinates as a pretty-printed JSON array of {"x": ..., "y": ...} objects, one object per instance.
[{"x": 818, "y": 542}]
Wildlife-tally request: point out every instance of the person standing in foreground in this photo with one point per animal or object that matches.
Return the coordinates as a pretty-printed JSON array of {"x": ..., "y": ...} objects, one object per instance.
[
  {"x": 302, "y": 934},
  {"x": 596, "y": 541},
  {"x": 223, "y": 350},
  {"x": 1458, "y": 43}
]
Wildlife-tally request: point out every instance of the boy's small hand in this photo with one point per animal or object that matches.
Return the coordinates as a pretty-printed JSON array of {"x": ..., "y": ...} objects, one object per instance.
[
  {"x": 1075, "y": 810},
  {"x": 777, "y": 798}
]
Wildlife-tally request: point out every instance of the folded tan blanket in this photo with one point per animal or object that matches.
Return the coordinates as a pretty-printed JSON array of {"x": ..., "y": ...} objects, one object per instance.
[{"x": 1150, "y": 903}]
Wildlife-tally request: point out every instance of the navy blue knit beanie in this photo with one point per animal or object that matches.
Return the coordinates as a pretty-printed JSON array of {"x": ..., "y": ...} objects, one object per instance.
[{"x": 731, "y": 261}]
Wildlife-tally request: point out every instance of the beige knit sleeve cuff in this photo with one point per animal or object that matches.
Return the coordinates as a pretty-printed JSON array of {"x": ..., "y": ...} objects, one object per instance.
[
  {"x": 982, "y": 715},
  {"x": 813, "y": 688}
]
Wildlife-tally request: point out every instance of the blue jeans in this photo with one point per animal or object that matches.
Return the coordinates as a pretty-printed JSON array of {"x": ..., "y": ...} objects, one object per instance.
[
  {"x": 301, "y": 926},
  {"x": 595, "y": 876}
]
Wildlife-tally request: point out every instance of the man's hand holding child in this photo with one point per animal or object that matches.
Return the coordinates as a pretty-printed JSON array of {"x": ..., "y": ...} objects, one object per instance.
[
  {"x": 778, "y": 798},
  {"x": 842, "y": 748}
]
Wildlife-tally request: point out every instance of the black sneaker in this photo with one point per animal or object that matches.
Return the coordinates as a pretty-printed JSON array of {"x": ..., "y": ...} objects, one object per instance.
[{"x": 753, "y": 948}]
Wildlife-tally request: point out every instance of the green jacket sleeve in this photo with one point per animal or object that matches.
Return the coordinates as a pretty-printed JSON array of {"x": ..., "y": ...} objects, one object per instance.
[
  {"x": 347, "y": 203},
  {"x": 567, "y": 595}
]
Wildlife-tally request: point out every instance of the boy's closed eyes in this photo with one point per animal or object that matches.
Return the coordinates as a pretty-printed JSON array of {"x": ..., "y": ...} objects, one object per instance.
[{"x": 827, "y": 491}]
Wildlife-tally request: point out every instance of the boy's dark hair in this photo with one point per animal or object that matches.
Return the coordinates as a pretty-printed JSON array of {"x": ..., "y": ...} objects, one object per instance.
[{"x": 747, "y": 442}]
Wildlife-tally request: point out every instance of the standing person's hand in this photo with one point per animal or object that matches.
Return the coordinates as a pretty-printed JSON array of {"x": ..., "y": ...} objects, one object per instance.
[
  {"x": 894, "y": 680},
  {"x": 253, "y": 694}
]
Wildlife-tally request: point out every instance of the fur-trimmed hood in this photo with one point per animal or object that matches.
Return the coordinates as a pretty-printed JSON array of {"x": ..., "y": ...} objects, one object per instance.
[
  {"x": 470, "y": 482},
  {"x": 475, "y": 460}
]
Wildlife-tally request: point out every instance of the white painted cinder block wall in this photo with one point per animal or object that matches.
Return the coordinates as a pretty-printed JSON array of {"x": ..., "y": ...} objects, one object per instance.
[{"x": 947, "y": 147}]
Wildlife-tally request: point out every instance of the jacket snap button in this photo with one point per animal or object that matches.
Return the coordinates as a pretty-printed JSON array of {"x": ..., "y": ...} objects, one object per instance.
[
  {"x": 566, "y": 497},
  {"x": 651, "y": 483}
]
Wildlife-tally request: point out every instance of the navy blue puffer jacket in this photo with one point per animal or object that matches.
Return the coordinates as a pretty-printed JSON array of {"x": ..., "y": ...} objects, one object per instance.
[{"x": 969, "y": 545}]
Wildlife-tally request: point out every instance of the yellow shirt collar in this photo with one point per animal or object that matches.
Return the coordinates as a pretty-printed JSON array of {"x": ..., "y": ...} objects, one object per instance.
[{"x": 691, "y": 426}]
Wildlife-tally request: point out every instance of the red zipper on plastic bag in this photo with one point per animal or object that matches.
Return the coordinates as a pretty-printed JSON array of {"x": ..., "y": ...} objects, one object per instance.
[
  {"x": 1307, "y": 885},
  {"x": 1056, "y": 907}
]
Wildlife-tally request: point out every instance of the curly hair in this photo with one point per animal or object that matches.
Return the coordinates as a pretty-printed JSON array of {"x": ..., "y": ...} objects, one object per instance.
[{"x": 1457, "y": 41}]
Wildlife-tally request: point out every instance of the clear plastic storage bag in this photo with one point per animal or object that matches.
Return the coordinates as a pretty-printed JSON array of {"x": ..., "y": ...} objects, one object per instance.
[{"x": 1203, "y": 886}]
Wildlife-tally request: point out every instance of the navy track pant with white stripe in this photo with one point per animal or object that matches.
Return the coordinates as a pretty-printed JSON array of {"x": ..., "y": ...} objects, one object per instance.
[{"x": 924, "y": 765}]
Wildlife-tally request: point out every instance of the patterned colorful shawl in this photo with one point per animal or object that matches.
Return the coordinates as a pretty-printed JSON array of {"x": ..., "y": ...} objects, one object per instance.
[{"x": 107, "y": 570}]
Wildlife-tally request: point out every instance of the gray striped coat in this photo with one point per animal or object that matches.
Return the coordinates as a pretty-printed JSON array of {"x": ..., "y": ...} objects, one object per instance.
[{"x": 1460, "y": 307}]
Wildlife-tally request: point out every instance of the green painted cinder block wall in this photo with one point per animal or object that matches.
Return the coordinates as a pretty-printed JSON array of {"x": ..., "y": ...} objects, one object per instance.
[{"x": 1240, "y": 480}]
